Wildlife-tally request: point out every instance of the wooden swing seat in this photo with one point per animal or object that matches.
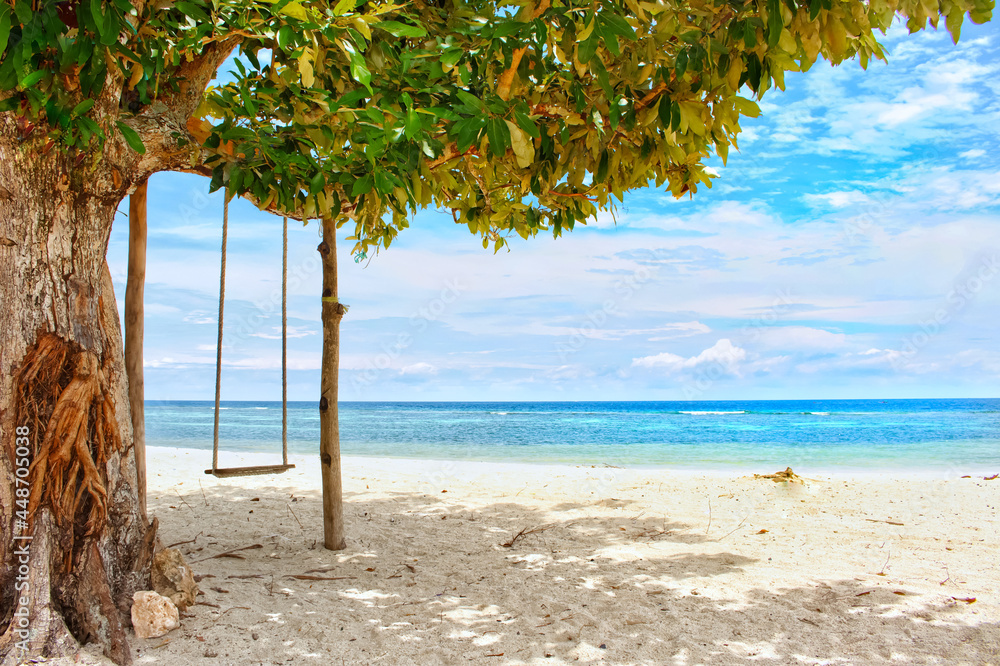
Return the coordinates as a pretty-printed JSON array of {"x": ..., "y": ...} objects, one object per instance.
[{"x": 226, "y": 472}]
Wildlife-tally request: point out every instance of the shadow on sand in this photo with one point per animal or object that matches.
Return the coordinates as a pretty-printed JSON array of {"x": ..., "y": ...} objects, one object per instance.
[{"x": 425, "y": 580}]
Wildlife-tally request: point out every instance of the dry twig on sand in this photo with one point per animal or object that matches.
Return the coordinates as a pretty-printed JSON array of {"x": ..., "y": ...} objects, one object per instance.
[
  {"x": 525, "y": 532},
  {"x": 230, "y": 553}
]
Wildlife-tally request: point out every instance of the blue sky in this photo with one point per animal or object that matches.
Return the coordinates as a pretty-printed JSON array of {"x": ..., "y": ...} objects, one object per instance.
[{"x": 850, "y": 250}]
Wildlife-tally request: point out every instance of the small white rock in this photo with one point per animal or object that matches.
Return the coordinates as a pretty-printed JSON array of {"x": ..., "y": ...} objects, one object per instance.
[{"x": 153, "y": 615}]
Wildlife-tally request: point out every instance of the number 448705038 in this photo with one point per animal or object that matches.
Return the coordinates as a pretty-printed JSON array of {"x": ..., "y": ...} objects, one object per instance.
[{"x": 22, "y": 463}]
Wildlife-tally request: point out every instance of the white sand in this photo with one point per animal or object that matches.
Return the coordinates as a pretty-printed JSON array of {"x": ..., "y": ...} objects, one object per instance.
[{"x": 627, "y": 566}]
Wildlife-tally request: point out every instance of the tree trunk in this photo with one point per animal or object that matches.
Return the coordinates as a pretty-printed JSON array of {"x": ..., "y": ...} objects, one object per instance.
[
  {"x": 73, "y": 543},
  {"x": 134, "y": 330},
  {"x": 329, "y": 425}
]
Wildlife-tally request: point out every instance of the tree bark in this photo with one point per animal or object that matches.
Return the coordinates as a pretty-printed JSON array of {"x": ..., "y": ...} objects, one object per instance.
[
  {"x": 74, "y": 546},
  {"x": 329, "y": 424},
  {"x": 134, "y": 331}
]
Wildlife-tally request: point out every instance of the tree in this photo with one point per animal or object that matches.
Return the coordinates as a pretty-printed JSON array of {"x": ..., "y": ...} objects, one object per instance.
[{"x": 519, "y": 118}]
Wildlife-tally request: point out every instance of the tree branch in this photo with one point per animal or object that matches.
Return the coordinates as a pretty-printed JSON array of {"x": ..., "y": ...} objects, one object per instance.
[{"x": 507, "y": 78}]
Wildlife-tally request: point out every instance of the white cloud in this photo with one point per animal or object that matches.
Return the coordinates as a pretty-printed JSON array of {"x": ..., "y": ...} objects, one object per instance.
[
  {"x": 841, "y": 199},
  {"x": 296, "y": 361},
  {"x": 292, "y": 331},
  {"x": 800, "y": 338},
  {"x": 418, "y": 369},
  {"x": 723, "y": 354},
  {"x": 972, "y": 154}
]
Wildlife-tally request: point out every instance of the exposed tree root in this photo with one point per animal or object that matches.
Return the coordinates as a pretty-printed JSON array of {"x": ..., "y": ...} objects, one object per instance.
[
  {"x": 65, "y": 388},
  {"x": 64, "y": 394}
]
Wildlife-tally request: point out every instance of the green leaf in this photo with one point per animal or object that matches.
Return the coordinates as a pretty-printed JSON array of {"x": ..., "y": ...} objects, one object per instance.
[
  {"x": 749, "y": 35},
  {"x": 610, "y": 39},
  {"x": 663, "y": 110},
  {"x": 507, "y": 29},
  {"x": 397, "y": 29},
  {"x": 286, "y": 36},
  {"x": 132, "y": 137},
  {"x": 235, "y": 181},
  {"x": 247, "y": 98},
  {"x": 32, "y": 79},
  {"x": 602, "y": 77},
  {"x": 451, "y": 57},
  {"x": 775, "y": 24},
  {"x": 602, "y": 168},
  {"x": 362, "y": 185},
  {"x": 359, "y": 71},
  {"x": 317, "y": 183},
  {"x": 525, "y": 123},
  {"x": 499, "y": 135},
  {"x": 468, "y": 133},
  {"x": 383, "y": 183},
  {"x": 471, "y": 101},
  {"x": 4, "y": 26},
  {"x": 412, "y": 124},
  {"x": 194, "y": 11},
  {"x": 814, "y": 7},
  {"x": 97, "y": 13},
  {"x": 82, "y": 107},
  {"x": 589, "y": 47},
  {"x": 680, "y": 65},
  {"x": 618, "y": 25}
]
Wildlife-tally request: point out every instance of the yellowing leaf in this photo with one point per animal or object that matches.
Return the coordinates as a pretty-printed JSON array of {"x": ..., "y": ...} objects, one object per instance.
[
  {"x": 734, "y": 73},
  {"x": 343, "y": 7},
  {"x": 362, "y": 27},
  {"x": 136, "y": 76},
  {"x": 746, "y": 107},
  {"x": 295, "y": 10},
  {"x": 524, "y": 148},
  {"x": 306, "y": 68},
  {"x": 691, "y": 117}
]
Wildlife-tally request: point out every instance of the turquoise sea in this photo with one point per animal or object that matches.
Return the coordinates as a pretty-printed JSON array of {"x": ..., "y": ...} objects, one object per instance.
[{"x": 945, "y": 436}]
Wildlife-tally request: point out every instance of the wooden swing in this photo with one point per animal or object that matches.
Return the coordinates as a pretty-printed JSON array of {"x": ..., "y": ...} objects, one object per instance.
[{"x": 225, "y": 472}]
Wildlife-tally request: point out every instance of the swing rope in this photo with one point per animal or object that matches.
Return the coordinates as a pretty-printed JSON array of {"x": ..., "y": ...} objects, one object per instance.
[
  {"x": 284, "y": 340},
  {"x": 260, "y": 469}
]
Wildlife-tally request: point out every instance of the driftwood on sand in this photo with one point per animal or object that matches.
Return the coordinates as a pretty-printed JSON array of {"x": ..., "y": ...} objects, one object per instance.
[{"x": 787, "y": 476}]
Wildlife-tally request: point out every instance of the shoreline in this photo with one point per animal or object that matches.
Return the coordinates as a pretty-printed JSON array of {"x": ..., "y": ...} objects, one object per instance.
[{"x": 236, "y": 458}]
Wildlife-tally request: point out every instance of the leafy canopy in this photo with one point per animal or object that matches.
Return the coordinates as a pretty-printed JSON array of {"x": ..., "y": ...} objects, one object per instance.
[{"x": 519, "y": 117}]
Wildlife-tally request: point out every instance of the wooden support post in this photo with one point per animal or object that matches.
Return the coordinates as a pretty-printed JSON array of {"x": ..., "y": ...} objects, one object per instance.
[
  {"x": 329, "y": 425},
  {"x": 134, "y": 332}
]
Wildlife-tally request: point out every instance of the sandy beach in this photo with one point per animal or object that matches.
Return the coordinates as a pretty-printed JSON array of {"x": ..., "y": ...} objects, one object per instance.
[{"x": 614, "y": 566}]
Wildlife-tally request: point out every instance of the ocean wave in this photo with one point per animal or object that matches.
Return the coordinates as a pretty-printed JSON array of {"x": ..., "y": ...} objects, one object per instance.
[{"x": 711, "y": 413}]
